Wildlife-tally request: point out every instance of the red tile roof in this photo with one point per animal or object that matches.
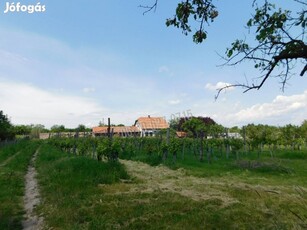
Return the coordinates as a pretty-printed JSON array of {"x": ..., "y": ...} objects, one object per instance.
[
  {"x": 181, "y": 134},
  {"x": 152, "y": 123},
  {"x": 116, "y": 129}
]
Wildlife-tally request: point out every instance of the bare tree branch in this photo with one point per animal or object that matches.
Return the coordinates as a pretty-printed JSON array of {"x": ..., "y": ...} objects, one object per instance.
[{"x": 150, "y": 8}]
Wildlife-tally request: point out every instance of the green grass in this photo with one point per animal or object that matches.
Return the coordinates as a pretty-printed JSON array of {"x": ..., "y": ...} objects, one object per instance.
[
  {"x": 70, "y": 186},
  {"x": 284, "y": 168},
  {"x": 82, "y": 193},
  {"x": 14, "y": 160}
]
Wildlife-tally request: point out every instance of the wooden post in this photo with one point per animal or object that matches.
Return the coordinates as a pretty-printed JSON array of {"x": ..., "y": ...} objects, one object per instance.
[
  {"x": 109, "y": 127},
  {"x": 244, "y": 138},
  {"x": 227, "y": 144},
  {"x": 201, "y": 151},
  {"x": 165, "y": 152}
]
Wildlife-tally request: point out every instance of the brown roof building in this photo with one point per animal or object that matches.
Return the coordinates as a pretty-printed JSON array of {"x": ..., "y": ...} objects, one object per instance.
[
  {"x": 143, "y": 126},
  {"x": 149, "y": 126},
  {"x": 122, "y": 131}
]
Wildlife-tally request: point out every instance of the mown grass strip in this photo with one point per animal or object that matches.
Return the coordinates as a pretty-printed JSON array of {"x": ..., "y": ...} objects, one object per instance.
[{"x": 12, "y": 175}]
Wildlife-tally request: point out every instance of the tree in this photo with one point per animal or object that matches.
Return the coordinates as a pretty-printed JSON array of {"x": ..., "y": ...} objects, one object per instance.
[
  {"x": 290, "y": 134},
  {"x": 174, "y": 124},
  {"x": 303, "y": 129},
  {"x": 198, "y": 125},
  {"x": 22, "y": 129},
  {"x": 36, "y": 130},
  {"x": 6, "y": 128},
  {"x": 279, "y": 36},
  {"x": 81, "y": 128},
  {"x": 57, "y": 128}
]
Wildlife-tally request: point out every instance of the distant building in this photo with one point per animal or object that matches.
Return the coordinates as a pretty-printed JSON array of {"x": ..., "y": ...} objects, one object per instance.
[
  {"x": 44, "y": 136},
  {"x": 181, "y": 134},
  {"x": 121, "y": 131},
  {"x": 235, "y": 135},
  {"x": 149, "y": 126},
  {"x": 143, "y": 126}
]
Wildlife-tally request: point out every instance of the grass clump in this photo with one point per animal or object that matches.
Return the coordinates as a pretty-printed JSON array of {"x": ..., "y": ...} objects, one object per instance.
[
  {"x": 270, "y": 167},
  {"x": 14, "y": 160}
]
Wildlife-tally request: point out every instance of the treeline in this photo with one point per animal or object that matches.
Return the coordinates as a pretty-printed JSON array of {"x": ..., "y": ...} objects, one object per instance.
[
  {"x": 8, "y": 131},
  {"x": 255, "y": 135}
]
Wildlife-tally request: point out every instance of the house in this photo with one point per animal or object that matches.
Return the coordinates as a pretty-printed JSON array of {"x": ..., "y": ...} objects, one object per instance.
[
  {"x": 143, "y": 126},
  {"x": 235, "y": 135},
  {"x": 121, "y": 131},
  {"x": 149, "y": 126}
]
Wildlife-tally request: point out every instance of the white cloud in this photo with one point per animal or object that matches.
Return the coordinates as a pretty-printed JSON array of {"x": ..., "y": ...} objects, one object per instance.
[
  {"x": 282, "y": 110},
  {"x": 174, "y": 102},
  {"x": 26, "y": 104},
  {"x": 88, "y": 90},
  {"x": 217, "y": 86}
]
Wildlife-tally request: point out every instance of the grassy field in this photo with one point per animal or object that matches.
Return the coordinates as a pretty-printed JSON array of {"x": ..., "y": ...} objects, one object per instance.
[
  {"x": 70, "y": 188},
  {"x": 78, "y": 192},
  {"x": 81, "y": 193},
  {"x": 14, "y": 160}
]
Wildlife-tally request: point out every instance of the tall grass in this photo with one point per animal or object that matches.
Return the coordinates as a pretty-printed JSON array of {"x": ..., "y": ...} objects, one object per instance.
[
  {"x": 70, "y": 186},
  {"x": 14, "y": 160}
]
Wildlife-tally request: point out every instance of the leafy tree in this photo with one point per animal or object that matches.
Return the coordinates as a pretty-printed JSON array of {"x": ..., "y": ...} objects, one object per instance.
[
  {"x": 6, "y": 128},
  {"x": 290, "y": 135},
  {"x": 57, "y": 128},
  {"x": 36, "y": 130},
  {"x": 174, "y": 124},
  {"x": 22, "y": 129},
  {"x": 82, "y": 128},
  {"x": 278, "y": 44},
  {"x": 303, "y": 130},
  {"x": 256, "y": 135},
  {"x": 197, "y": 125},
  {"x": 234, "y": 129}
]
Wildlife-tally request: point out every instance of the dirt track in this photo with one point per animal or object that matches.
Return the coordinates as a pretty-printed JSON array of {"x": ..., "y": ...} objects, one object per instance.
[{"x": 31, "y": 199}]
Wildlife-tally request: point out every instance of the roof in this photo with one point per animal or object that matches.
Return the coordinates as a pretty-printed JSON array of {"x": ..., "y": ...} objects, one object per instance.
[
  {"x": 116, "y": 129},
  {"x": 181, "y": 134},
  {"x": 152, "y": 123}
]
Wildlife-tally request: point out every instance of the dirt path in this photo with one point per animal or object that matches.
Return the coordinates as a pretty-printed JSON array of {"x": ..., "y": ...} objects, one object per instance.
[
  {"x": 31, "y": 199},
  {"x": 161, "y": 178}
]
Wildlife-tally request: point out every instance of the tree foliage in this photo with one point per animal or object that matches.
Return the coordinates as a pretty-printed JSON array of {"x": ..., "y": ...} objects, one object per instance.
[
  {"x": 279, "y": 37},
  {"x": 196, "y": 126},
  {"x": 6, "y": 128}
]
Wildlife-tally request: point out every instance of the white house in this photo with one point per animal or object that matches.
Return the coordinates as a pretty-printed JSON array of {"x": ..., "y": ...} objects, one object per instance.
[{"x": 149, "y": 126}]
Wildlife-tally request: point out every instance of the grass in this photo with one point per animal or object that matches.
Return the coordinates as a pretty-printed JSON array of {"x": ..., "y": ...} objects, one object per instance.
[
  {"x": 284, "y": 168},
  {"x": 70, "y": 186},
  {"x": 14, "y": 160},
  {"x": 81, "y": 193}
]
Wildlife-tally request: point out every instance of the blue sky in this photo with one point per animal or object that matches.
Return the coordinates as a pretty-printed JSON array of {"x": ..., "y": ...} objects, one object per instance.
[{"x": 80, "y": 62}]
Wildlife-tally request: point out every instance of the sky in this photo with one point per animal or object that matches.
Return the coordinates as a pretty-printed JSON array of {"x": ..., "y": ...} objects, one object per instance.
[{"x": 80, "y": 62}]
